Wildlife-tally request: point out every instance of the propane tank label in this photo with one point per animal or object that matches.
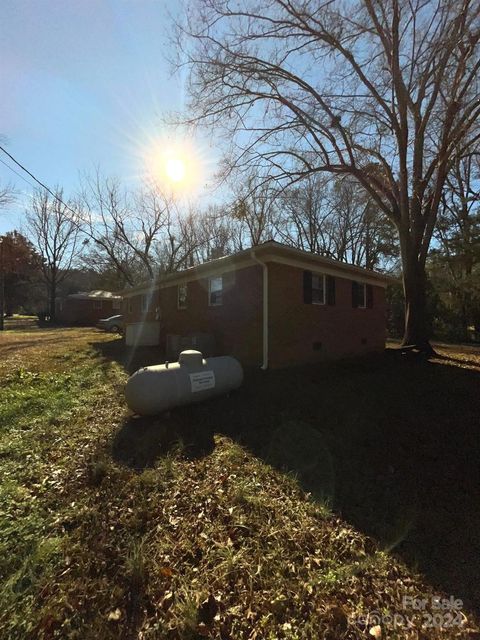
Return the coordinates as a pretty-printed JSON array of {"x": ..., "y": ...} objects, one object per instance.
[{"x": 202, "y": 380}]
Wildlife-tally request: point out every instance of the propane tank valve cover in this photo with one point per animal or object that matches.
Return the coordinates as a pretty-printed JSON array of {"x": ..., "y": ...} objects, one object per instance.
[{"x": 190, "y": 358}]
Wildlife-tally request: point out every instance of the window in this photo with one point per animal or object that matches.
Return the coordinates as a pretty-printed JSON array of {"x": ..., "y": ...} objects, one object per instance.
[
  {"x": 97, "y": 304},
  {"x": 116, "y": 303},
  {"x": 215, "y": 291},
  {"x": 318, "y": 289},
  {"x": 182, "y": 296},
  {"x": 359, "y": 295}
]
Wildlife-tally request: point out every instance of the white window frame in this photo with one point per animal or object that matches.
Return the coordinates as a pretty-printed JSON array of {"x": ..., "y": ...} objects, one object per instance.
[
  {"x": 364, "y": 287},
  {"x": 324, "y": 279},
  {"x": 210, "y": 303},
  {"x": 185, "y": 288}
]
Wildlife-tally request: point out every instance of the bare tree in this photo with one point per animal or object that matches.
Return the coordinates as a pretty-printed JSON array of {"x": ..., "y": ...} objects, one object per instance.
[
  {"x": 125, "y": 228},
  {"x": 6, "y": 195},
  {"x": 254, "y": 210},
  {"x": 386, "y": 91},
  {"x": 457, "y": 251},
  {"x": 176, "y": 249},
  {"x": 214, "y": 235},
  {"x": 360, "y": 233},
  {"x": 306, "y": 216},
  {"x": 197, "y": 237},
  {"x": 458, "y": 230},
  {"x": 335, "y": 217},
  {"x": 54, "y": 231},
  {"x": 141, "y": 234}
]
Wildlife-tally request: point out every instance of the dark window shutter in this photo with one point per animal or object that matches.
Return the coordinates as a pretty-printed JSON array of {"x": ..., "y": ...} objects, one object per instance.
[
  {"x": 330, "y": 290},
  {"x": 307, "y": 287},
  {"x": 369, "y": 296},
  {"x": 354, "y": 294}
]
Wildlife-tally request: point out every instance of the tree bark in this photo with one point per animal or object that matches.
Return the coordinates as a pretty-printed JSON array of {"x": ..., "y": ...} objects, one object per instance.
[
  {"x": 53, "y": 295},
  {"x": 417, "y": 333}
]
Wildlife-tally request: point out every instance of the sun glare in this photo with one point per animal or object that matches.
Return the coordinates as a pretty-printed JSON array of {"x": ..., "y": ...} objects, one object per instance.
[
  {"x": 175, "y": 169},
  {"x": 178, "y": 166}
]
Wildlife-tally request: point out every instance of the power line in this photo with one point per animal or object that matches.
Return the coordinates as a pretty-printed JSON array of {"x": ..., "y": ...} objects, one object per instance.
[
  {"x": 54, "y": 195},
  {"x": 44, "y": 186},
  {"x": 17, "y": 173}
]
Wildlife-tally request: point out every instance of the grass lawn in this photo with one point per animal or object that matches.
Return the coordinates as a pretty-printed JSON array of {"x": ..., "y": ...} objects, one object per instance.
[{"x": 303, "y": 506}]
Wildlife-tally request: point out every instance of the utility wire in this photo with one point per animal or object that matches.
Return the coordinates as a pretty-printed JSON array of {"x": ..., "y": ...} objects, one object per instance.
[
  {"x": 17, "y": 173},
  {"x": 44, "y": 186}
]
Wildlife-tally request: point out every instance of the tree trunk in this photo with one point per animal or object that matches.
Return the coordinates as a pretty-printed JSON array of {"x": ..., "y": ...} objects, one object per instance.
[
  {"x": 417, "y": 332},
  {"x": 53, "y": 295}
]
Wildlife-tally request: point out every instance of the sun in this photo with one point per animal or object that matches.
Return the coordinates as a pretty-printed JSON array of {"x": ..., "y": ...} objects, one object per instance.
[
  {"x": 178, "y": 165},
  {"x": 175, "y": 169},
  {"x": 173, "y": 166}
]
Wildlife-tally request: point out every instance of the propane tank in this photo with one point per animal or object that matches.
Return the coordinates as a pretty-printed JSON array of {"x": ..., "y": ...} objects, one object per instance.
[{"x": 151, "y": 390}]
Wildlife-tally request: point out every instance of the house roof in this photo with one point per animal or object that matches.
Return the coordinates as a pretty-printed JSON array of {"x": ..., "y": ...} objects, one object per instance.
[
  {"x": 270, "y": 251},
  {"x": 96, "y": 295}
]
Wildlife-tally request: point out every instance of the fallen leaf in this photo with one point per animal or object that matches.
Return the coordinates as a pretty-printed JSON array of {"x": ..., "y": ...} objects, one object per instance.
[
  {"x": 166, "y": 572},
  {"x": 115, "y": 615}
]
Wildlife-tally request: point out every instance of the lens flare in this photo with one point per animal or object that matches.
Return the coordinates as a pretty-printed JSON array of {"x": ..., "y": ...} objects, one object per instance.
[
  {"x": 175, "y": 169},
  {"x": 177, "y": 166}
]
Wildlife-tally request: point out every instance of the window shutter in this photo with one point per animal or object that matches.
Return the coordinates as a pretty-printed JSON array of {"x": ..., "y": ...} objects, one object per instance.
[
  {"x": 330, "y": 290},
  {"x": 354, "y": 294},
  {"x": 307, "y": 287},
  {"x": 369, "y": 296}
]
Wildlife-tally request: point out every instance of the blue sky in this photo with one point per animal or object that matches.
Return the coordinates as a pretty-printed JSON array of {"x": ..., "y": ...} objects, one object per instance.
[{"x": 83, "y": 83}]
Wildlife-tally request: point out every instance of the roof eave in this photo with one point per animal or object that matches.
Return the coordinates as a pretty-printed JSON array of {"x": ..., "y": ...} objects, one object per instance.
[{"x": 270, "y": 251}]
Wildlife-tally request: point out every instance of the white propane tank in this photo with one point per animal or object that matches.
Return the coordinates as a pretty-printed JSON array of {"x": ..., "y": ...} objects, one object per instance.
[{"x": 151, "y": 390}]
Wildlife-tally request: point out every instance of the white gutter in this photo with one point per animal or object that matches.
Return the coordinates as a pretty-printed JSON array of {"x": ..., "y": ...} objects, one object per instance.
[{"x": 265, "y": 309}]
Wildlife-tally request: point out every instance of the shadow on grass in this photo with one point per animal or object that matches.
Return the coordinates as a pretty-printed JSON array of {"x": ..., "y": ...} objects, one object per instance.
[
  {"x": 391, "y": 442},
  {"x": 142, "y": 441},
  {"x": 130, "y": 358}
]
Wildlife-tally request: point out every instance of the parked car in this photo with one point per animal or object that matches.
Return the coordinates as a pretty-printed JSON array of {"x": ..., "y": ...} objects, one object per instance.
[{"x": 113, "y": 324}]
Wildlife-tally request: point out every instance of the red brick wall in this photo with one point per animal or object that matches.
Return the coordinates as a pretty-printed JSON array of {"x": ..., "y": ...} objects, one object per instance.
[
  {"x": 75, "y": 311},
  {"x": 236, "y": 325},
  {"x": 295, "y": 326}
]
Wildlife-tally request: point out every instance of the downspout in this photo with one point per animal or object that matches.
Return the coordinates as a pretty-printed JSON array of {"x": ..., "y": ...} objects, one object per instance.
[{"x": 265, "y": 309}]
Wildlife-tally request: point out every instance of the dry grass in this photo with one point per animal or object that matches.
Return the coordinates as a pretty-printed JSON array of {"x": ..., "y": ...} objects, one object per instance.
[{"x": 168, "y": 528}]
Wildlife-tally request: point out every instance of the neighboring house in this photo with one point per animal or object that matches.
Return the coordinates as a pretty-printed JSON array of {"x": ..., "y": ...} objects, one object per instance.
[
  {"x": 271, "y": 306},
  {"x": 87, "y": 307}
]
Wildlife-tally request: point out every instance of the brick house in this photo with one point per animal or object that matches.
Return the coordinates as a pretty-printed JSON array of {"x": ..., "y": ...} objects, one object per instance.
[
  {"x": 87, "y": 307},
  {"x": 270, "y": 306}
]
